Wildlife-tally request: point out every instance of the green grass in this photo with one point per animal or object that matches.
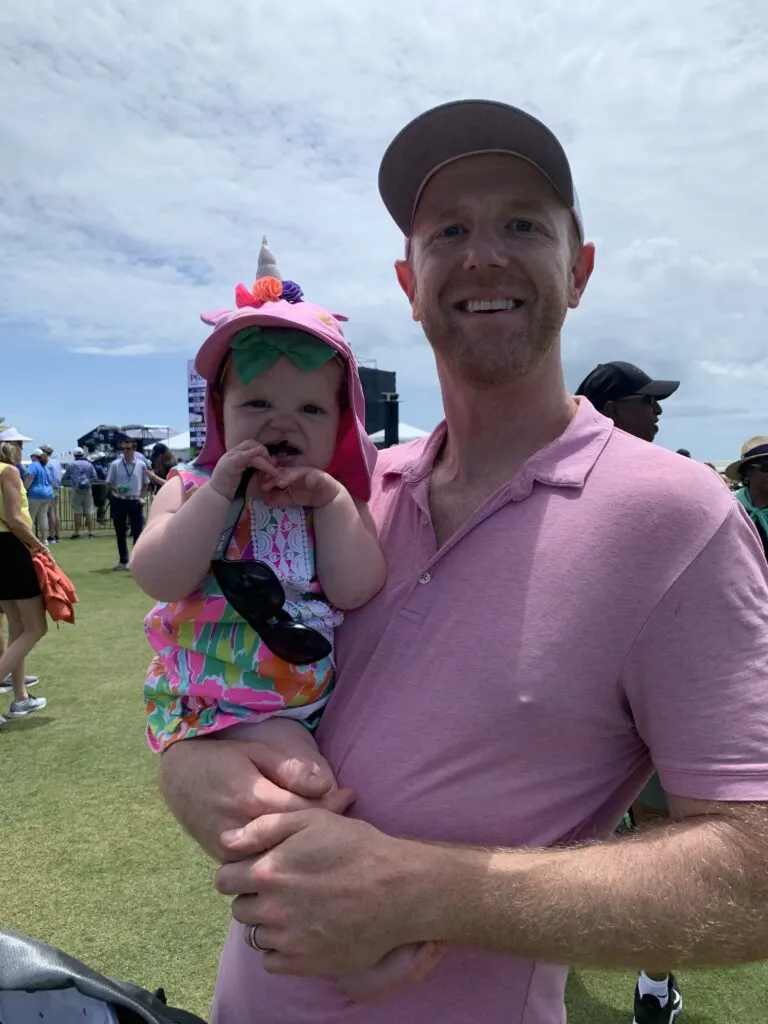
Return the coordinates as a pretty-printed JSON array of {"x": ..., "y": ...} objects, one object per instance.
[{"x": 94, "y": 864}]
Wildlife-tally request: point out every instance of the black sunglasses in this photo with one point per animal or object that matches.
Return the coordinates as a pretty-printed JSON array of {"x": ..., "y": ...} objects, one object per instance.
[
  {"x": 643, "y": 399},
  {"x": 257, "y": 595}
]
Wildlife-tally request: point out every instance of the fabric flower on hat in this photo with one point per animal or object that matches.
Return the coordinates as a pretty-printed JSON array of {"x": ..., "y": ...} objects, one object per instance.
[{"x": 268, "y": 287}]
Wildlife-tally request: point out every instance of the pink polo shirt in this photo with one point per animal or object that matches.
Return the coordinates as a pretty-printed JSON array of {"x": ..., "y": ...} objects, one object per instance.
[{"x": 605, "y": 610}]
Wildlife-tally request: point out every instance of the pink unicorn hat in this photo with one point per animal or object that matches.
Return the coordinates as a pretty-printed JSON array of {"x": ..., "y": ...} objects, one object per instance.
[{"x": 273, "y": 302}]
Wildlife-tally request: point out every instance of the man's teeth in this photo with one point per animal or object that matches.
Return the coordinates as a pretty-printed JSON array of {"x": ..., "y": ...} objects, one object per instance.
[{"x": 487, "y": 305}]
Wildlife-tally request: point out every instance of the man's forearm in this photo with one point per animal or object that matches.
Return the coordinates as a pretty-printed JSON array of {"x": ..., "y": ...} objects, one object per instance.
[{"x": 695, "y": 892}]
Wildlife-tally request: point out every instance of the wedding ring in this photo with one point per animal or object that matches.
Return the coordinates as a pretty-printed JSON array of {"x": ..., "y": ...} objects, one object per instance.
[{"x": 250, "y": 938}]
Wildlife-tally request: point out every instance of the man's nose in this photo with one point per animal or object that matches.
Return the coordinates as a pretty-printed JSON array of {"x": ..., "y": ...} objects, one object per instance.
[{"x": 485, "y": 249}]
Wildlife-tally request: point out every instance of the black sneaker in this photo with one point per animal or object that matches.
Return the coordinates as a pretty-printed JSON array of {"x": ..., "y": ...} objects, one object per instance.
[{"x": 649, "y": 1010}]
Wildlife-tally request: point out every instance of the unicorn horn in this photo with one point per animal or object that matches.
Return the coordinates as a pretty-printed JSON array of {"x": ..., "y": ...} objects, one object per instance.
[{"x": 267, "y": 265}]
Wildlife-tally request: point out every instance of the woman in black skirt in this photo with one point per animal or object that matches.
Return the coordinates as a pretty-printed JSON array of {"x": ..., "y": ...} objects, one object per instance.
[{"x": 20, "y": 596}]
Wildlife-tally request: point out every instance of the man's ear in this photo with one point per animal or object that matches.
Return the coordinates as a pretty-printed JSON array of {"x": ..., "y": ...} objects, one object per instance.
[
  {"x": 581, "y": 271},
  {"x": 609, "y": 410},
  {"x": 407, "y": 281}
]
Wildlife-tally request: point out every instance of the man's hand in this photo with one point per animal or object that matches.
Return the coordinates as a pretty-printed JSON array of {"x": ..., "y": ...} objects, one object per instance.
[
  {"x": 329, "y": 894},
  {"x": 213, "y": 785}
]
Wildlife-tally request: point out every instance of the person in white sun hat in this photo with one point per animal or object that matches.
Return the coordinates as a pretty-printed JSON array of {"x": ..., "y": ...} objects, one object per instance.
[
  {"x": 15, "y": 437},
  {"x": 20, "y": 596}
]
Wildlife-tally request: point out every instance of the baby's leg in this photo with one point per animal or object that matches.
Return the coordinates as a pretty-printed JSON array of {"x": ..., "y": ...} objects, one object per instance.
[
  {"x": 398, "y": 969},
  {"x": 286, "y": 735}
]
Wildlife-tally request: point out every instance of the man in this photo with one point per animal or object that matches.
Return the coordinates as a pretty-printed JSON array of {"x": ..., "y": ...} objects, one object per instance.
[
  {"x": 54, "y": 520},
  {"x": 127, "y": 481},
  {"x": 632, "y": 400},
  {"x": 555, "y": 586},
  {"x": 99, "y": 488},
  {"x": 80, "y": 476},
  {"x": 38, "y": 481},
  {"x": 628, "y": 396}
]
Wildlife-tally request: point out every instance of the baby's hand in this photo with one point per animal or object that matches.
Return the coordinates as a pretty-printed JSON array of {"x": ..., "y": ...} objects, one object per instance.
[
  {"x": 299, "y": 485},
  {"x": 231, "y": 466}
]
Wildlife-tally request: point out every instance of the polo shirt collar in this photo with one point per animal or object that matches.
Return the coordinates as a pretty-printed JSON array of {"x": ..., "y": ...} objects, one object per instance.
[{"x": 565, "y": 462}]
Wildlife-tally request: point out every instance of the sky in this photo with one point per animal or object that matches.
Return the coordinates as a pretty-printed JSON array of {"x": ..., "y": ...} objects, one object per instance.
[{"x": 147, "y": 147}]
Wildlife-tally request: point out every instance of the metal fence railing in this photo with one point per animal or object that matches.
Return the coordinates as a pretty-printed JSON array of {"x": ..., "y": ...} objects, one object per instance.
[{"x": 101, "y": 516}]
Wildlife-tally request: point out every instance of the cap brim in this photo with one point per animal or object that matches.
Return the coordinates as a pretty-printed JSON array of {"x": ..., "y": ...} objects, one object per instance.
[
  {"x": 659, "y": 388},
  {"x": 467, "y": 128}
]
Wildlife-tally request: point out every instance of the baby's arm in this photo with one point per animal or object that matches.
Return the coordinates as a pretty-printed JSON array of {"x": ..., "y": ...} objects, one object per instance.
[
  {"x": 287, "y": 736},
  {"x": 174, "y": 551},
  {"x": 350, "y": 565}
]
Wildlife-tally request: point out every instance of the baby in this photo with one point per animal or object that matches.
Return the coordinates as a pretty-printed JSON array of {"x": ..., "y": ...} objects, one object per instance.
[{"x": 255, "y": 548}]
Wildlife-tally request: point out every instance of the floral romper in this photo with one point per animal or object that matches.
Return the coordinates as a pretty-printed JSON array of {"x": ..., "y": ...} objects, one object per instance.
[{"x": 211, "y": 670}]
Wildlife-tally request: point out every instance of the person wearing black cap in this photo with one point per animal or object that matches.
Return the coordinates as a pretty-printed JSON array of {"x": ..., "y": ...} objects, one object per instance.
[
  {"x": 628, "y": 396},
  {"x": 555, "y": 589}
]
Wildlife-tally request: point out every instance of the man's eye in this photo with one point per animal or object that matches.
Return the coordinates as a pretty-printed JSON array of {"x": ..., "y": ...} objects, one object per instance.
[
  {"x": 452, "y": 231},
  {"x": 523, "y": 226}
]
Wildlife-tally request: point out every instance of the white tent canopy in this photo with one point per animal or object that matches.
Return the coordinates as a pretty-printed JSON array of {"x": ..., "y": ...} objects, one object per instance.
[
  {"x": 405, "y": 433},
  {"x": 179, "y": 444}
]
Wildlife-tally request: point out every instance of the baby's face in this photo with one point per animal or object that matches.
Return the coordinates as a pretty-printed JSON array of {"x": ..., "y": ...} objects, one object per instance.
[{"x": 286, "y": 406}]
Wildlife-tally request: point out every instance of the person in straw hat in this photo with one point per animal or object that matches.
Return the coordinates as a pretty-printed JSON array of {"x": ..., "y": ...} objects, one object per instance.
[{"x": 751, "y": 471}]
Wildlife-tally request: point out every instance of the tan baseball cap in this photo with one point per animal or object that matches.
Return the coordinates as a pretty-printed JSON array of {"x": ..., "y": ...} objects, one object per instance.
[{"x": 468, "y": 128}]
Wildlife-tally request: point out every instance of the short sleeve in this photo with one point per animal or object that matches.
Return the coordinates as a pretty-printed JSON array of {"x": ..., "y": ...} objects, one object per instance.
[
  {"x": 191, "y": 477},
  {"x": 696, "y": 678},
  {"x": 112, "y": 473}
]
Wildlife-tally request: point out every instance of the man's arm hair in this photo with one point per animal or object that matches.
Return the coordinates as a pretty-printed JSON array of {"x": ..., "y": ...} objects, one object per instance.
[{"x": 693, "y": 892}]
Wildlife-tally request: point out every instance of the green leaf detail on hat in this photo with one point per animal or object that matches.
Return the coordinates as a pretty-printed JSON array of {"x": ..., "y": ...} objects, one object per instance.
[{"x": 256, "y": 350}]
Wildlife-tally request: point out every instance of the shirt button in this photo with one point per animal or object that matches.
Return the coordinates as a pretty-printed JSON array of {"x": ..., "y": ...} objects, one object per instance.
[
  {"x": 425, "y": 520},
  {"x": 425, "y": 577}
]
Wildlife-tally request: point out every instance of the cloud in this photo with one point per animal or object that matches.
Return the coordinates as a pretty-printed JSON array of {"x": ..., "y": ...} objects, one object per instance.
[{"x": 152, "y": 145}]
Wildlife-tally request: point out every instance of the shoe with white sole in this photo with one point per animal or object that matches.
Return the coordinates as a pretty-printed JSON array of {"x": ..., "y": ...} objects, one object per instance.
[
  {"x": 6, "y": 685},
  {"x": 19, "y": 708},
  {"x": 648, "y": 1008}
]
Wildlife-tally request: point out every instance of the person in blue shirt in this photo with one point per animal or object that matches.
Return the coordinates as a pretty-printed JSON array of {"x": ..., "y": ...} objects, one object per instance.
[
  {"x": 54, "y": 521},
  {"x": 39, "y": 484}
]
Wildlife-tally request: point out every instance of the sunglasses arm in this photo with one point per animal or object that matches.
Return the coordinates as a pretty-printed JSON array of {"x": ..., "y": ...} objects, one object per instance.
[{"x": 233, "y": 515}]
